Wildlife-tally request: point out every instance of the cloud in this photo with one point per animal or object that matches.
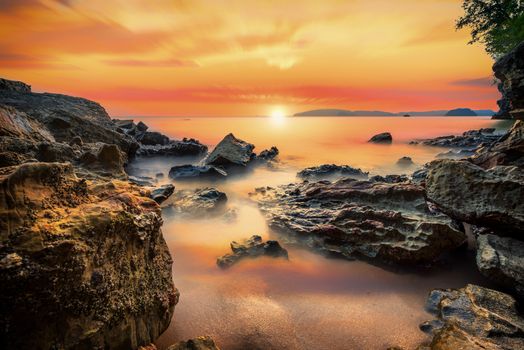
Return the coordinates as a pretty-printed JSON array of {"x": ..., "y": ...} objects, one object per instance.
[
  {"x": 166, "y": 63},
  {"x": 486, "y": 82}
]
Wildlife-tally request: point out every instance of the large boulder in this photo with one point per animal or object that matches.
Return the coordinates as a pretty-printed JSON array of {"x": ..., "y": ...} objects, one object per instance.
[
  {"x": 501, "y": 259},
  {"x": 105, "y": 159},
  {"x": 331, "y": 172},
  {"x": 83, "y": 264},
  {"x": 151, "y": 138},
  {"x": 251, "y": 248},
  {"x": 191, "y": 172},
  {"x": 184, "y": 148},
  {"x": 509, "y": 70},
  {"x": 384, "y": 137},
  {"x": 467, "y": 192},
  {"x": 374, "y": 221},
  {"x": 473, "y": 318},
  {"x": 231, "y": 152},
  {"x": 201, "y": 202}
]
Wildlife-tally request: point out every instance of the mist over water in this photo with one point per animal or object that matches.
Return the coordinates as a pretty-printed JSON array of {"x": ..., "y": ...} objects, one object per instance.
[{"x": 308, "y": 302}]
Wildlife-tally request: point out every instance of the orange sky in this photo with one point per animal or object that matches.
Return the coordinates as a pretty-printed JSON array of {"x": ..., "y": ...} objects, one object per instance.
[{"x": 217, "y": 57}]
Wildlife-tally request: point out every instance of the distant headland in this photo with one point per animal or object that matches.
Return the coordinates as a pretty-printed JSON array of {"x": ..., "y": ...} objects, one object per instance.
[{"x": 344, "y": 113}]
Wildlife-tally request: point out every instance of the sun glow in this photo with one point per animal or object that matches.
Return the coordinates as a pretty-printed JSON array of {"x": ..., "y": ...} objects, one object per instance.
[{"x": 278, "y": 114}]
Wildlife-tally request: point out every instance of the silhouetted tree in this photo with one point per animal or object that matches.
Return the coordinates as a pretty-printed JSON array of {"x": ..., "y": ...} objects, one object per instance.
[{"x": 498, "y": 24}]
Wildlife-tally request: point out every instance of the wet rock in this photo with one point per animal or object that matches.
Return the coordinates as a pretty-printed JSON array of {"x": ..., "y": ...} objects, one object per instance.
[
  {"x": 152, "y": 138},
  {"x": 268, "y": 154},
  {"x": 492, "y": 198},
  {"x": 231, "y": 152},
  {"x": 83, "y": 264},
  {"x": 392, "y": 179},
  {"x": 474, "y": 317},
  {"x": 108, "y": 160},
  {"x": 501, "y": 259},
  {"x": 159, "y": 175},
  {"x": 160, "y": 194},
  {"x": 384, "y": 137},
  {"x": 509, "y": 70},
  {"x": 419, "y": 176},
  {"x": 142, "y": 180},
  {"x": 55, "y": 152},
  {"x": 456, "y": 154},
  {"x": 184, "y": 148},
  {"x": 330, "y": 172},
  {"x": 380, "y": 222},
  {"x": 469, "y": 139},
  {"x": 252, "y": 248},
  {"x": 199, "y": 202},
  {"x": 76, "y": 141},
  {"x": 141, "y": 127},
  {"x": 189, "y": 171},
  {"x": 199, "y": 343},
  {"x": 405, "y": 162}
]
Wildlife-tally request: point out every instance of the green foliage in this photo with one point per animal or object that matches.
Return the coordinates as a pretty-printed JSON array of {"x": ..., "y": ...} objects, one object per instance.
[{"x": 498, "y": 24}]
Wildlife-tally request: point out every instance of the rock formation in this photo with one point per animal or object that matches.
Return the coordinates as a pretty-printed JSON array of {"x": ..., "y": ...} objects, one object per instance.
[
  {"x": 231, "y": 152},
  {"x": 509, "y": 70},
  {"x": 198, "y": 203},
  {"x": 330, "y": 172},
  {"x": 468, "y": 140},
  {"x": 199, "y": 343},
  {"x": 384, "y": 137},
  {"x": 251, "y": 248}
]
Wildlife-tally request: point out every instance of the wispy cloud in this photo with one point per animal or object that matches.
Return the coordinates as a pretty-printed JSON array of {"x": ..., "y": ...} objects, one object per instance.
[{"x": 486, "y": 82}]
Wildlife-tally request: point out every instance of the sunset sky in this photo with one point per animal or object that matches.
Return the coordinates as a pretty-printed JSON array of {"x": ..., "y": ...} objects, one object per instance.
[{"x": 212, "y": 57}]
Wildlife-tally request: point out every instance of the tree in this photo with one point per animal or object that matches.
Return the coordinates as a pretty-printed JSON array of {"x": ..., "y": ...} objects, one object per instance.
[{"x": 498, "y": 24}]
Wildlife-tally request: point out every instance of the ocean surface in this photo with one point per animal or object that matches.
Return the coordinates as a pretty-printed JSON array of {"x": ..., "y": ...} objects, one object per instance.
[{"x": 308, "y": 302}]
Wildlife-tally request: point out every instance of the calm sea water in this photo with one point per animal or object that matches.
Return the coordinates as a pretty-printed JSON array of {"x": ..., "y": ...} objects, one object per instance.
[{"x": 308, "y": 302}]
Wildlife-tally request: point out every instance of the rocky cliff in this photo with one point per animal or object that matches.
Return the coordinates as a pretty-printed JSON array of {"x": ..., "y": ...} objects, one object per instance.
[{"x": 509, "y": 70}]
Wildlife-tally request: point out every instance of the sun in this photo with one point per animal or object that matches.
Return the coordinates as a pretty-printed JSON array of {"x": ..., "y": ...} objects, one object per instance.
[{"x": 277, "y": 114}]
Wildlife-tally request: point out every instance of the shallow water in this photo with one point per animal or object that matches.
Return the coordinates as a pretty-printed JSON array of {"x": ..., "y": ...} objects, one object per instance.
[{"x": 308, "y": 302}]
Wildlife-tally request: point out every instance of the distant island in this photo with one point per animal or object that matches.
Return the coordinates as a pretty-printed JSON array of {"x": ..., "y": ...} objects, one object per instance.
[{"x": 344, "y": 113}]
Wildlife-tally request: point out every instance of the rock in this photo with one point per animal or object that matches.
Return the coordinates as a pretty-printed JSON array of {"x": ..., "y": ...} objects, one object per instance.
[
  {"x": 159, "y": 175},
  {"x": 160, "y": 194},
  {"x": 199, "y": 202},
  {"x": 268, "y": 154},
  {"x": 456, "y": 154},
  {"x": 141, "y": 127},
  {"x": 469, "y": 139},
  {"x": 405, "y": 162},
  {"x": 501, "y": 259},
  {"x": 152, "y": 138},
  {"x": 65, "y": 117},
  {"x": 55, "y": 152},
  {"x": 108, "y": 160},
  {"x": 461, "y": 112},
  {"x": 380, "y": 222},
  {"x": 392, "y": 179},
  {"x": 231, "y": 152},
  {"x": 509, "y": 70},
  {"x": 252, "y": 247},
  {"x": 13, "y": 85},
  {"x": 492, "y": 198},
  {"x": 330, "y": 172},
  {"x": 189, "y": 171},
  {"x": 10, "y": 158},
  {"x": 186, "y": 147},
  {"x": 384, "y": 137},
  {"x": 474, "y": 317},
  {"x": 142, "y": 180},
  {"x": 199, "y": 343},
  {"x": 419, "y": 176},
  {"x": 83, "y": 264},
  {"x": 76, "y": 141},
  {"x": 17, "y": 124}
]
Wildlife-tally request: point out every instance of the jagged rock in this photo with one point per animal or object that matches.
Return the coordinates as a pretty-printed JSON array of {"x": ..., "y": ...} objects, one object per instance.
[
  {"x": 381, "y": 222},
  {"x": 508, "y": 150},
  {"x": 392, "y": 179},
  {"x": 405, "y": 162},
  {"x": 509, "y": 70},
  {"x": 14, "y": 123},
  {"x": 83, "y": 264},
  {"x": 384, "y": 137},
  {"x": 419, "y": 176},
  {"x": 65, "y": 117},
  {"x": 76, "y": 141},
  {"x": 10, "y": 158},
  {"x": 152, "y": 138},
  {"x": 456, "y": 154},
  {"x": 467, "y": 192},
  {"x": 142, "y": 180},
  {"x": 231, "y": 152},
  {"x": 55, "y": 152},
  {"x": 160, "y": 194},
  {"x": 141, "y": 127},
  {"x": 189, "y": 171},
  {"x": 330, "y": 172},
  {"x": 186, "y": 147},
  {"x": 199, "y": 202},
  {"x": 252, "y": 248},
  {"x": 199, "y": 343},
  {"x": 108, "y": 159},
  {"x": 13, "y": 85},
  {"x": 469, "y": 139},
  {"x": 268, "y": 154},
  {"x": 501, "y": 259},
  {"x": 473, "y": 317}
]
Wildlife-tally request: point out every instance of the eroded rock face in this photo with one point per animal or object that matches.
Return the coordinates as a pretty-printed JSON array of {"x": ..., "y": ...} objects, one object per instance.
[
  {"x": 251, "y": 248},
  {"x": 467, "y": 192},
  {"x": 199, "y": 343},
  {"x": 509, "y": 70},
  {"x": 331, "y": 172},
  {"x": 83, "y": 265},
  {"x": 473, "y": 317},
  {"x": 231, "y": 152},
  {"x": 384, "y": 137},
  {"x": 381, "y": 222},
  {"x": 198, "y": 203},
  {"x": 501, "y": 259}
]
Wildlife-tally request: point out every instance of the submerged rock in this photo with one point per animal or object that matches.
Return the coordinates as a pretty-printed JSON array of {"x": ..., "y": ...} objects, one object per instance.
[
  {"x": 184, "y": 148},
  {"x": 252, "y": 248},
  {"x": 381, "y": 222},
  {"x": 199, "y": 343},
  {"x": 189, "y": 172},
  {"x": 199, "y": 202},
  {"x": 384, "y": 137},
  {"x": 501, "y": 259},
  {"x": 473, "y": 317},
  {"x": 405, "y": 162},
  {"x": 231, "y": 152},
  {"x": 467, "y": 192},
  {"x": 83, "y": 264},
  {"x": 469, "y": 139},
  {"x": 330, "y": 172},
  {"x": 160, "y": 194}
]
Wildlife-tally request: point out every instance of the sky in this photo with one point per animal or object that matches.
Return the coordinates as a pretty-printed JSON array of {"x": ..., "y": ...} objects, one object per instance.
[{"x": 246, "y": 57}]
